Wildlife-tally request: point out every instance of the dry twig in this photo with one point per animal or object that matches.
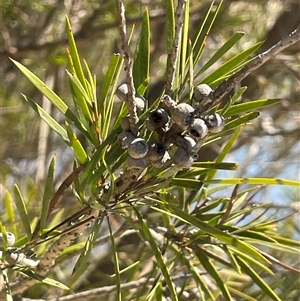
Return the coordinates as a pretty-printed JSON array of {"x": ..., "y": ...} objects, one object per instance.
[
  {"x": 133, "y": 120},
  {"x": 258, "y": 61},
  {"x": 175, "y": 51}
]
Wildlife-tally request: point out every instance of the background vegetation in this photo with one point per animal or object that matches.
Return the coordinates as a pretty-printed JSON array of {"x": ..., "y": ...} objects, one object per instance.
[{"x": 174, "y": 236}]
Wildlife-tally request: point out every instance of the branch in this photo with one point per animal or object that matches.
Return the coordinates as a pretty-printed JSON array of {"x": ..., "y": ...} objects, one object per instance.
[
  {"x": 175, "y": 50},
  {"x": 130, "y": 102},
  {"x": 48, "y": 260},
  {"x": 258, "y": 61},
  {"x": 111, "y": 289}
]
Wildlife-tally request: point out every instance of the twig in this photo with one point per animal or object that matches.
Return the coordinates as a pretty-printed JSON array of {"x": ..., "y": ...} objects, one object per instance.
[
  {"x": 175, "y": 51},
  {"x": 133, "y": 119},
  {"x": 110, "y": 289},
  {"x": 258, "y": 61},
  {"x": 48, "y": 260}
]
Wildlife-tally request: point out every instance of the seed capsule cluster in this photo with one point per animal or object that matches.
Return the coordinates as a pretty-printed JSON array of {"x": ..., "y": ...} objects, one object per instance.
[{"x": 176, "y": 128}]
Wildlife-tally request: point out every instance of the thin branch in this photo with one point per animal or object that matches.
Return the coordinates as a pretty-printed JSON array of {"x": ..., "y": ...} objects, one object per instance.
[
  {"x": 258, "y": 61},
  {"x": 113, "y": 288},
  {"x": 130, "y": 102},
  {"x": 175, "y": 51},
  {"x": 48, "y": 260}
]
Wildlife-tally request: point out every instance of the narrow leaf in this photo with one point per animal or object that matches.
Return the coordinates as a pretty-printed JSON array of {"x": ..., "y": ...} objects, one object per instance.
[
  {"x": 228, "y": 67},
  {"x": 258, "y": 280},
  {"x": 48, "y": 193},
  {"x": 54, "y": 125},
  {"x": 222, "y": 50},
  {"x": 157, "y": 253},
  {"x": 187, "y": 183},
  {"x": 53, "y": 97},
  {"x": 80, "y": 265},
  {"x": 212, "y": 270},
  {"x": 259, "y": 181},
  {"x": 116, "y": 261},
  {"x": 22, "y": 210},
  {"x": 142, "y": 55},
  {"x": 170, "y": 25},
  {"x": 77, "y": 147},
  {"x": 250, "y": 106},
  {"x": 74, "y": 54},
  {"x": 10, "y": 212},
  {"x": 222, "y": 236},
  {"x": 43, "y": 279}
]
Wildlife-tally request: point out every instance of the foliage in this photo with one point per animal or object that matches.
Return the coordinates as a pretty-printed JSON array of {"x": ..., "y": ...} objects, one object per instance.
[{"x": 189, "y": 241}]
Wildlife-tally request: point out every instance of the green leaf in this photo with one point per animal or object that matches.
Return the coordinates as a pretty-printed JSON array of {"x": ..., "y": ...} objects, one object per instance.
[
  {"x": 221, "y": 51},
  {"x": 54, "y": 125},
  {"x": 170, "y": 25},
  {"x": 235, "y": 123},
  {"x": 250, "y": 106},
  {"x": 184, "y": 41},
  {"x": 250, "y": 260},
  {"x": 22, "y": 210},
  {"x": 187, "y": 183},
  {"x": 144, "y": 229},
  {"x": 142, "y": 54},
  {"x": 74, "y": 55},
  {"x": 201, "y": 37},
  {"x": 81, "y": 97},
  {"x": 201, "y": 281},
  {"x": 80, "y": 264},
  {"x": 232, "y": 100},
  {"x": 225, "y": 151},
  {"x": 107, "y": 94},
  {"x": 53, "y": 97},
  {"x": 48, "y": 193},
  {"x": 259, "y": 181},
  {"x": 222, "y": 236},
  {"x": 77, "y": 147},
  {"x": 212, "y": 270},
  {"x": 43, "y": 279},
  {"x": 257, "y": 279},
  {"x": 116, "y": 261},
  {"x": 10, "y": 213},
  {"x": 226, "y": 69}
]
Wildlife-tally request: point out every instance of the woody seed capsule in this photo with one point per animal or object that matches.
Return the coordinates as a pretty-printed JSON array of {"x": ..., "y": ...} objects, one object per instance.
[
  {"x": 138, "y": 148},
  {"x": 215, "y": 122},
  {"x": 182, "y": 158},
  {"x": 198, "y": 129},
  {"x": 181, "y": 113},
  {"x": 125, "y": 138}
]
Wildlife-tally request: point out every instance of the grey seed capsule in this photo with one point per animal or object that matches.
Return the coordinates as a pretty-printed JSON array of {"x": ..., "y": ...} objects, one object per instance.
[
  {"x": 125, "y": 124},
  {"x": 182, "y": 114},
  {"x": 125, "y": 138},
  {"x": 159, "y": 163},
  {"x": 202, "y": 91},
  {"x": 138, "y": 148},
  {"x": 156, "y": 151},
  {"x": 188, "y": 145},
  {"x": 140, "y": 163},
  {"x": 215, "y": 122},
  {"x": 139, "y": 100},
  {"x": 182, "y": 158},
  {"x": 122, "y": 92},
  {"x": 157, "y": 119},
  {"x": 198, "y": 129}
]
